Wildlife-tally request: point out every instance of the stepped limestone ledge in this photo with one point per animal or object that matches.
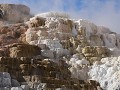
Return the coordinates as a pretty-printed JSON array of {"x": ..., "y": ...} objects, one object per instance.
[
  {"x": 37, "y": 74},
  {"x": 51, "y": 51},
  {"x": 77, "y": 31},
  {"x": 79, "y": 42}
]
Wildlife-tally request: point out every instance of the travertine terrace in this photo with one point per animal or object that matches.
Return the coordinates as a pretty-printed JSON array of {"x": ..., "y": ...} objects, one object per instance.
[{"x": 50, "y": 51}]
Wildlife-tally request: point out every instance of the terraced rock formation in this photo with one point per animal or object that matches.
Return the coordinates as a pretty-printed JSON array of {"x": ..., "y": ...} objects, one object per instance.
[{"x": 50, "y": 51}]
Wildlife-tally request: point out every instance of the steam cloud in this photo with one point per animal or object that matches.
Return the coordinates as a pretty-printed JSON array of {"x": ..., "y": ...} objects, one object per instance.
[{"x": 100, "y": 12}]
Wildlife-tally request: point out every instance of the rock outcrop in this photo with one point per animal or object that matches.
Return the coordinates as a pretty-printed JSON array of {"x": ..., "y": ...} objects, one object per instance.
[
  {"x": 23, "y": 50},
  {"x": 40, "y": 74},
  {"x": 13, "y": 33},
  {"x": 53, "y": 52},
  {"x": 95, "y": 53},
  {"x": 14, "y": 13}
]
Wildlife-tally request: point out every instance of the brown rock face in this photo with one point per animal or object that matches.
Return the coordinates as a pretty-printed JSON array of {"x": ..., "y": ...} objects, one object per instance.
[
  {"x": 97, "y": 51},
  {"x": 36, "y": 22},
  {"x": 93, "y": 53},
  {"x": 23, "y": 50},
  {"x": 14, "y": 13},
  {"x": 32, "y": 72},
  {"x": 13, "y": 33}
]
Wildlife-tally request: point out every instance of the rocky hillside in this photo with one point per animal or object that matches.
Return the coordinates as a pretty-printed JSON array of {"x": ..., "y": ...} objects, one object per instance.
[{"x": 50, "y": 51}]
